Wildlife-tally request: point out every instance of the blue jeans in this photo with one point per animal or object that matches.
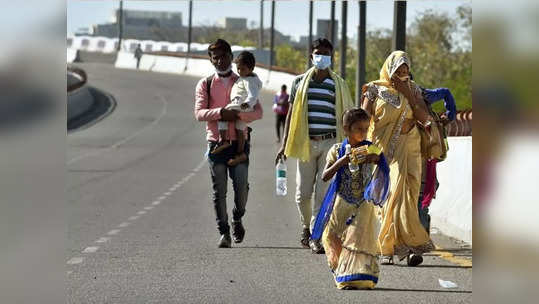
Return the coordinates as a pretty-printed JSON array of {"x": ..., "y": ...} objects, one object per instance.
[{"x": 220, "y": 172}]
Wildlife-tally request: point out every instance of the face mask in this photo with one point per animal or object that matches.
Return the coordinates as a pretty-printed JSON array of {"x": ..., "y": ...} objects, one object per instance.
[
  {"x": 321, "y": 62},
  {"x": 219, "y": 72}
]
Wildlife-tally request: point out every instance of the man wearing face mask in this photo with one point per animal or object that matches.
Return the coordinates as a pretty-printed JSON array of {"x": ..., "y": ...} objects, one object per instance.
[
  {"x": 318, "y": 99},
  {"x": 211, "y": 96}
]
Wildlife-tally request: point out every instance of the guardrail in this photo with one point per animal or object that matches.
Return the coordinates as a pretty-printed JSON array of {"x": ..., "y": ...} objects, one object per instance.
[
  {"x": 198, "y": 56},
  {"x": 462, "y": 125}
]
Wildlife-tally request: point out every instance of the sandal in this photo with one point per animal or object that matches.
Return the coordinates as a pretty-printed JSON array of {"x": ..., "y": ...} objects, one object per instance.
[
  {"x": 386, "y": 260},
  {"x": 414, "y": 259}
]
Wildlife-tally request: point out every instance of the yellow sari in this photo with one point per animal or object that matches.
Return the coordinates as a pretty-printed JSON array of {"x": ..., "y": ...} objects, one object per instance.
[{"x": 401, "y": 231}]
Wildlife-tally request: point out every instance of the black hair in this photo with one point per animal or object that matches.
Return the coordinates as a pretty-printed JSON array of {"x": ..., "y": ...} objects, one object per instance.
[
  {"x": 246, "y": 58},
  {"x": 354, "y": 115},
  {"x": 219, "y": 44},
  {"x": 283, "y": 87},
  {"x": 321, "y": 42}
]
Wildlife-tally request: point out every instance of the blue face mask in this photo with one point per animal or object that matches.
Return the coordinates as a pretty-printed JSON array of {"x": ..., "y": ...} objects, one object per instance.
[{"x": 321, "y": 62}]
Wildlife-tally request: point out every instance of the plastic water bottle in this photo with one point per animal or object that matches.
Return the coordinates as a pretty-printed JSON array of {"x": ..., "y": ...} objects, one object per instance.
[
  {"x": 351, "y": 165},
  {"x": 280, "y": 178}
]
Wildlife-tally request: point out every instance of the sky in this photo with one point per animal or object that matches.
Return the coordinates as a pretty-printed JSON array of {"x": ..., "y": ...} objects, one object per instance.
[{"x": 291, "y": 17}]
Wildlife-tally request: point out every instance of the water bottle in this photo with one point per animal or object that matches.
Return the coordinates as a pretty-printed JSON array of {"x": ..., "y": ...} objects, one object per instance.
[
  {"x": 353, "y": 166},
  {"x": 280, "y": 174}
]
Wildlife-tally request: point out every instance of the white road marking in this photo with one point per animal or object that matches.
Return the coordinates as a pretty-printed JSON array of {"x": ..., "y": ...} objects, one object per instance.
[
  {"x": 91, "y": 249},
  {"x": 70, "y": 272},
  {"x": 113, "y": 231},
  {"x": 75, "y": 260},
  {"x": 103, "y": 240},
  {"x": 130, "y": 137},
  {"x": 167, "y": 193}
]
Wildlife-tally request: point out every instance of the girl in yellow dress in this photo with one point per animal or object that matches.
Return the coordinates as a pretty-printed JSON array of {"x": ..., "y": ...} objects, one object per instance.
[
  {"x": 397, "y": 111},
  {"x": 347, "y": 217}
]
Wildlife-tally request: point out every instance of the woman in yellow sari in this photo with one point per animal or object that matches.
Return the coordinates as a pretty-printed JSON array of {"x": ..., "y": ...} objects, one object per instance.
[{"x": 397, "y": 110}]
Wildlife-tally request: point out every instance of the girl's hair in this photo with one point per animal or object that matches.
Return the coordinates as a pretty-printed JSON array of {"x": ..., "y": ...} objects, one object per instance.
[
  {"x": 354, "y": 115},
  {"x": 246, "y": 58}
]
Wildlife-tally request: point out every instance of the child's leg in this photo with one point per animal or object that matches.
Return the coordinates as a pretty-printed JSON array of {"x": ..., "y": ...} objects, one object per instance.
[
  {"x": 223, "y": 142},
  {"x": 240, "y": 131},
  {"x": 241, "y": 156}
]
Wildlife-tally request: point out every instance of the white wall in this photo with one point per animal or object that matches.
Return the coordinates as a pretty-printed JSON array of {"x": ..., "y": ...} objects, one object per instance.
[
  {"x": 71, "y": 55},
  {"x": 195, "y": 67},
  {"x": 451, "y": 211}
]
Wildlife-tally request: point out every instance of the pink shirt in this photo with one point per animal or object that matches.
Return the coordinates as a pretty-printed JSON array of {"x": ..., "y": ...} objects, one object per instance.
[{"x": 220, "y": 97}]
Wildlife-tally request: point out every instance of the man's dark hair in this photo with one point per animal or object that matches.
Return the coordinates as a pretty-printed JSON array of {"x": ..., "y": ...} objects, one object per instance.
[
  {"x": 354, "y": 115},
  {"x": 246, "y": 58},
  {"x": 283, "y": 87},
  {"x": 219, "y": 44},
  {"x": 321, "y": 42}
]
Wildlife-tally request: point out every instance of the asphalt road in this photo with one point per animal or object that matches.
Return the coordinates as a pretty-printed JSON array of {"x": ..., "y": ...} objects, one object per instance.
[{"x": 141, "y": 227}]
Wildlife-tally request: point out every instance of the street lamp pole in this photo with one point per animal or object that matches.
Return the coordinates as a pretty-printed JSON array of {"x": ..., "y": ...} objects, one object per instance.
[
  {"x": 361, "y": 49},
  {"x": 272, "y": 37},
  {"x": 399, "y": 26},
  {"x": 309, "y": 63},
  {"x": 261, "y": 31},
  {"x": 190, "y": 30},
  {"x": 120, "y": 25},
  {"x": 344, "y": 41}
]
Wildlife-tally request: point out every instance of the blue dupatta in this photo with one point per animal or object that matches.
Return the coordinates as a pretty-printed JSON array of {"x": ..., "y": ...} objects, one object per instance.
[{"x": 376, "y": 191}]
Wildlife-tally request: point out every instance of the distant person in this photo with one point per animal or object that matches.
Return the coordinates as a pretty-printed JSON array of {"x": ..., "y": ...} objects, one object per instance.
[
  {"x": 280, "y": 107},
  {"x": 211, "y": 97},
  {"x": 138, "y": 54},
  {"x": 318, "y": 98},
  {"x": 243, "y": 98}
]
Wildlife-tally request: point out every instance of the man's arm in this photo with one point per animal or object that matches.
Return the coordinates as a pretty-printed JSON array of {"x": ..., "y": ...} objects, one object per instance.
[{"x": 202, "y": 111}]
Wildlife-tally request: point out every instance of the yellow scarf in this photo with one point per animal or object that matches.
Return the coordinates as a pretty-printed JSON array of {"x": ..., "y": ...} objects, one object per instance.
[{"x": 298, "y": 142}]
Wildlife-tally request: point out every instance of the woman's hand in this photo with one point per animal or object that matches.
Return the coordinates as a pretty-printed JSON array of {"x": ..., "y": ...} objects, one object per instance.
[{"x": 401, "y": 86}]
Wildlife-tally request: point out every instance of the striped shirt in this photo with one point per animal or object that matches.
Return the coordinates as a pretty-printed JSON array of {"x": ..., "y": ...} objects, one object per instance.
[{"x": 321, "y": 105}]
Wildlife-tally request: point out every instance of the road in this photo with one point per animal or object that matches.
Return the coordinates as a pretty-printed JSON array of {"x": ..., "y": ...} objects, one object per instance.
[{"x": 141, "y": 227}]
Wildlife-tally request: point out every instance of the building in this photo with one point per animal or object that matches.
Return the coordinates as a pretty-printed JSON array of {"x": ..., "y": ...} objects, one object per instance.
[
  {"x": 237, "y": 24},
  {"x": 144, "y": 25},
  {"x": 322, "y": 29}
]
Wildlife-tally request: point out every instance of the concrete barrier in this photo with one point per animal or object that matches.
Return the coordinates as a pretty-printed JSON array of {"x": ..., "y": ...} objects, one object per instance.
[
  {"x": 451, "y": 210},
  {"x": 71, "y": 55},
  {"x": 273, "y": 80}
]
